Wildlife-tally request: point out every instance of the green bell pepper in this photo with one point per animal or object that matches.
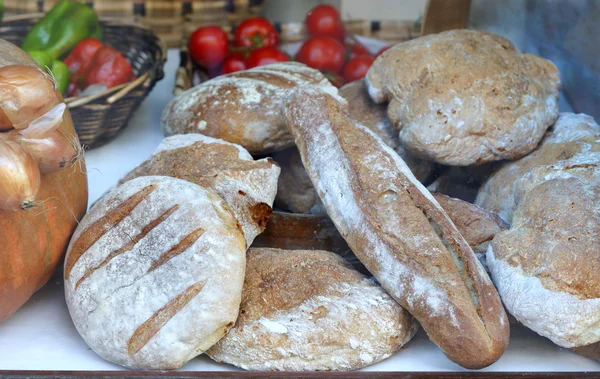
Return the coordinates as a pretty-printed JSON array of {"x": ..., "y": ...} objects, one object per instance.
[
  {"x": 59, "y": 69},
  {"x": 1, "y": 9},
  {"x": 62, "y": 28}
]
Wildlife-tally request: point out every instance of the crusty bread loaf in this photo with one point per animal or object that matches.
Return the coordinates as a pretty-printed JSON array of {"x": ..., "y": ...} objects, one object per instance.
[
  {"x": 546, "y": 265},
  {"x": 248, "y": 186},
  {"x": 242, "y": 107},
  {"x": 295, "y": 191},
  {"x": 306, "y": 310},
  {"x": 465, "y": 97},
  {"x": 591, "y": 351},
  {"x": 572, "y": 134},
  {"x": 398, "y": 230},
  {"x": 154, "y": 273},
  {"x": 374, "y": 117},
  {"x": 477, "y": 225}
]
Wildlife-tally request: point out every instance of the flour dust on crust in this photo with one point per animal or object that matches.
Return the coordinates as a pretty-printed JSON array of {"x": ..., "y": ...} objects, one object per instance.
[
  {"x": 179, "y": 141},
  {"x": 488, "y": 103},
  {"x": 338, "y": 321},
  {"x": 154, "y": 273}
]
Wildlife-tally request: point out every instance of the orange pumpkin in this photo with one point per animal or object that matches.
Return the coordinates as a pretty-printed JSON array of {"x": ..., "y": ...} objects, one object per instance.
[{"x": 33, "y": 241}]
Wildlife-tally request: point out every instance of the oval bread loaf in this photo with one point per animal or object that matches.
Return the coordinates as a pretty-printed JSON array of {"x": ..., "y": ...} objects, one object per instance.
[
  {"x": 307, "y": 310},
  {"x": 488, "y": 102},
  {"x": 242, "y": 107},
  {"x": 248, "y": 186},
  {"x": 154, "y": 273},
  {"x": 398, "y": 230}
]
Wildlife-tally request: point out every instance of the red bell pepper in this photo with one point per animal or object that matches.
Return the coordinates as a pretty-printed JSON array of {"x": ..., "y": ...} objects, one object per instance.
[
  {"x": 82, "y": 55},
  {"x": 108, "y": 67}
]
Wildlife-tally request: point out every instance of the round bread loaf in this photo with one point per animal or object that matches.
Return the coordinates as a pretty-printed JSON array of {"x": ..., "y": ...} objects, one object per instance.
[
  {"x": 306, "y": 310},
  {"x": 374, "y": 117},
  {"x": 242, "y": 107},
  {"x": 154, "y": 273},
  {"x": 248, "y": 186},
  {"x": 487, "y": 102},
  {"x": 572, "y": 134}
]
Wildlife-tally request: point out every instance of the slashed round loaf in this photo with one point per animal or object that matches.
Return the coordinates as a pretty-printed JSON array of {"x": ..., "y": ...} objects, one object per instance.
[
  {"x": 154, "y": 273},
  {"x": 465, "y": 97},
  {"x": 374, "y": 117},
  {"x": 398, "y": 230},
  {"x": 248, "y": 186},
  {"x": 306, "y": 310},
  {"x": 242, "y": 107},
  {"x": 572, "y": 134}
]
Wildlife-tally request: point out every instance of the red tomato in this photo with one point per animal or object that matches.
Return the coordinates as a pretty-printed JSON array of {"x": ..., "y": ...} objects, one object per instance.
[
  {"x": 208, "y": 46},
  {"x": 357, "y": 68},
  {"x": 233, "y": 63},
  {"x": 325, "y": 21},
  {"x": 266, "y": 55},
  {"x": 335, "y": 79},
  {"x": 322, "y": 53},
  {"x": 382, "y": 50},
  {"x": 355, "y": 49},
  {"x": 255, "y": 32}
]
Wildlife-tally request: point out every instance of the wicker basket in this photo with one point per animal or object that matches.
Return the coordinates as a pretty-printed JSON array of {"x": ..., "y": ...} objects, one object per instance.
[
  {"x": 98, "y": 118},
  {"x": 165, "y": 17}
]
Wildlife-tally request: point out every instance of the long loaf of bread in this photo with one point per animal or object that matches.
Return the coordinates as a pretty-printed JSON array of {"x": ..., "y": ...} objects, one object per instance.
[{"x": 398, "y": 230}]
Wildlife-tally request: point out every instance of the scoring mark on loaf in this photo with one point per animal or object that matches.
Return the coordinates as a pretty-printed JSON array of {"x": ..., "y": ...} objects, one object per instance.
[
  {"x": 182, "y": 246},
  {"x": 145, "y": 230},
  {"x": 150, "y": 327},
  {"x": 92, "y": 234}
]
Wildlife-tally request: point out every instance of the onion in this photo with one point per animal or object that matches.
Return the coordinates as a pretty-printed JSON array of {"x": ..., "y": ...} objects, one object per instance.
[
  {"x": 45, "y": 124},
  {"x": 19, "y": 177},
  {"x": 52, "y": 152},
  {"x": 26, "y": 94}
]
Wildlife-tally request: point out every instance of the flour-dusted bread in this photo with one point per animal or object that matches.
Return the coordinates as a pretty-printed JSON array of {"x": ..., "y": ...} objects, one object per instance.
[
  {"x": 248, "y": 186},
  {"x": 242, "y": 107},
  {"x": 465, "y": 97},
  {"x": 546, "y": 265},
  {"x": 571, "y": 135},
  {"x": 307, "y": 310},
  {"x": 398, "y": 230},
  {"x": 295, "y": 191},
  {"x": 479, "y": 226},
  {"x": 154, "y": 273},
  {"x": 374, "y": 117}
]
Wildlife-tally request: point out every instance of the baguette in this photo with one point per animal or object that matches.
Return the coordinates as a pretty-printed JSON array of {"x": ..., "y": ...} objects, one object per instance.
[{"x": 398, "y": 230}]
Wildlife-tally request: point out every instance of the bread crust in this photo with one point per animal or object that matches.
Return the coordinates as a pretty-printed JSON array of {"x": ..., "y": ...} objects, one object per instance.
[
  {"x": 465, "y": 97},
  {"x": 154, "y": 273},
  {"x": 248, "y": 186},
  {"x": 398, "y": 230},
  {"x": 307, "y": 310},
  {"x": 242, "y": 107}
]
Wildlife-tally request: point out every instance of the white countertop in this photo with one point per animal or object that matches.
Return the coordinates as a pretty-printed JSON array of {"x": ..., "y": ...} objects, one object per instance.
[{"x": 41, "y": 336}]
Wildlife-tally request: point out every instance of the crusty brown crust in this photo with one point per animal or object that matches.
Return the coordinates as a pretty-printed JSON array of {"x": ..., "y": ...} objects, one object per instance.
[
  {"x": 242, "y": 107},
  {"x": 398, "y": 230},
  {"x": 465, "y": 97},
  {"x": 307, "y": 310},
  {"x": 374, "y": 117},
  {"x": 248, "y": 186},
  {"x": 591, "y": 351}
]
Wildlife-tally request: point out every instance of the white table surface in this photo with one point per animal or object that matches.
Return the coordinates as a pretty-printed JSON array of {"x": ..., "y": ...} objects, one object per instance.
[{"x": 41, "y": 336}]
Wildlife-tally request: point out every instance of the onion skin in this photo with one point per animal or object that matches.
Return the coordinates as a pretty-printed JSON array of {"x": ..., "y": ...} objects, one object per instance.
[
  {"x": 19, "y": 177},
  {"x": 51, "y": 153}
]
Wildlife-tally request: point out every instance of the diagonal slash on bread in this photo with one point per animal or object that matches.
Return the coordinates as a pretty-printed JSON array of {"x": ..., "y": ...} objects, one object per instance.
[{"x": 398, "y": 230}]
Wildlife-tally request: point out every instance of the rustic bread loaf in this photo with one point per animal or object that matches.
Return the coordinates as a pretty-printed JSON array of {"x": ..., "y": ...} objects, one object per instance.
[
  {"x": 546, "y": 265},
  {"x": 248, "y": 186},
  {"x": 465, "y": 97},
  {"x": 154, "y": 273},
  {"x": 242, "y": 107},
  {"x": 374, "y": 117},
  {"x": 295, "y": 191},
  {"x": 591, "y": 351},
  {"x": 398, "y": 230},
  {"x": 477, "y": 225},
  {"x": 306, "y": 310},
  {"x": 572, "y": 134}
]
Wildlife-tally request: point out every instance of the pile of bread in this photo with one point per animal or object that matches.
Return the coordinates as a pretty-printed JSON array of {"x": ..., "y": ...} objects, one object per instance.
[{"x": 162, "y": 270}]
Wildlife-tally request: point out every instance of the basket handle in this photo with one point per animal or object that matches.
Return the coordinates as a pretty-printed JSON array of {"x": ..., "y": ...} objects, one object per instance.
[{"x": 442, "y": 15}]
